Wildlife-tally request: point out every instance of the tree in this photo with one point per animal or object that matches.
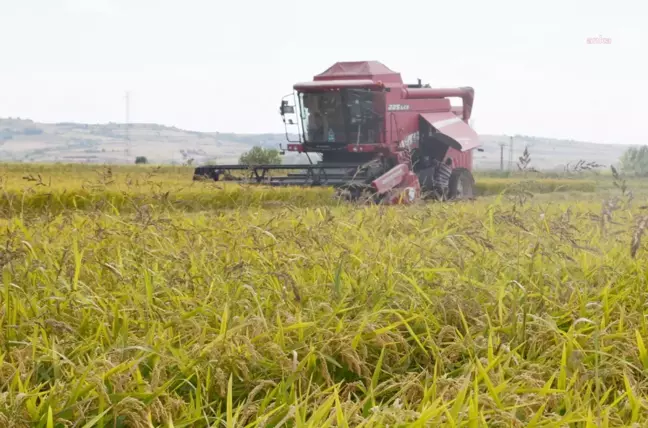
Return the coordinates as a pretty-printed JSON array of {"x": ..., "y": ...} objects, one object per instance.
[
  {"x": 141, "y": 160},
  {"x": 635, "y": 161},
  {"x": 259, "y": 155}
]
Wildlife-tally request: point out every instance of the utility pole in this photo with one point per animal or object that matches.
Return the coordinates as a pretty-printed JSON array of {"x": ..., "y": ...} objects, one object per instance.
[
  {"x": 127, "y": 132},
  {"x": 510, "y": 160},
  {"x": 502, "y": 156}
]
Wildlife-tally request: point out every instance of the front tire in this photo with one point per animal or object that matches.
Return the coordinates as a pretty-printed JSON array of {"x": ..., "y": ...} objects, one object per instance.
[{"x": 461, "y": 185}]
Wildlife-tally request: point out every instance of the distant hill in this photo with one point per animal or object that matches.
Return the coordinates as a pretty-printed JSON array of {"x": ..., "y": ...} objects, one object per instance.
[
  {"x": 23, "y": 140},
  {"x": 27, "y": 141},
  {"x": 546, "y": 153}
]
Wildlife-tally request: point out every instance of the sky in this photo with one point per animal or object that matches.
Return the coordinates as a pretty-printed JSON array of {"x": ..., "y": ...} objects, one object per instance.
[{"x": 214, "y": 65}]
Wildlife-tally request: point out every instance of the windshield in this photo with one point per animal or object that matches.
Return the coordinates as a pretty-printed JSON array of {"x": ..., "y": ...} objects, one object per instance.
[{"x": 347, "y": 116}]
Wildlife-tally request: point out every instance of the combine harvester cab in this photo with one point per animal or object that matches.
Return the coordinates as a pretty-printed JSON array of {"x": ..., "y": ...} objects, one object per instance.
[{"x": 376, "y": 136}]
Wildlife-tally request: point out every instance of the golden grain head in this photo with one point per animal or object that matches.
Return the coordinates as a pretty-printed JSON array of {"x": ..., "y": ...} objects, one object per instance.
[{"x": 133, "y": 296}]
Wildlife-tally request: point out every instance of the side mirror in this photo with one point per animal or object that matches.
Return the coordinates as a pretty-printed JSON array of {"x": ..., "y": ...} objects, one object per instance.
[{"x": 286, "y": 109}]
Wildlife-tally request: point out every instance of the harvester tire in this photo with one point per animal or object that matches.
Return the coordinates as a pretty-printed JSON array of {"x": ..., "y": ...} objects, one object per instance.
[{"x": 461, "y": 185}]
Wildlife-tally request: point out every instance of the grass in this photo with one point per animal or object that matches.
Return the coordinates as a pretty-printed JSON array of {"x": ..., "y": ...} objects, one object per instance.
[{"x": 510, "y": 310}]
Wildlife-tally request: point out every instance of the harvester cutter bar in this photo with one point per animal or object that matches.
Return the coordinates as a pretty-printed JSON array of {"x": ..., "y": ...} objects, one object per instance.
[{"x": 322, "y": 174}]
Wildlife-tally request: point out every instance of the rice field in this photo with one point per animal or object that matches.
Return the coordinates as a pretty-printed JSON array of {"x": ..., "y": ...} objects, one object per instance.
[{"x": 134, "y": 297}]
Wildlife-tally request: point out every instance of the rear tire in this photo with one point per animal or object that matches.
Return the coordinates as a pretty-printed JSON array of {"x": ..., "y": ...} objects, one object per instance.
[{"x": 461, "y": 185}]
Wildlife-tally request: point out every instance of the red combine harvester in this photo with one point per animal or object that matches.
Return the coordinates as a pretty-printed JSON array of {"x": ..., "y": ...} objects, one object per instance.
[{"x": 395, "y": 142}]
